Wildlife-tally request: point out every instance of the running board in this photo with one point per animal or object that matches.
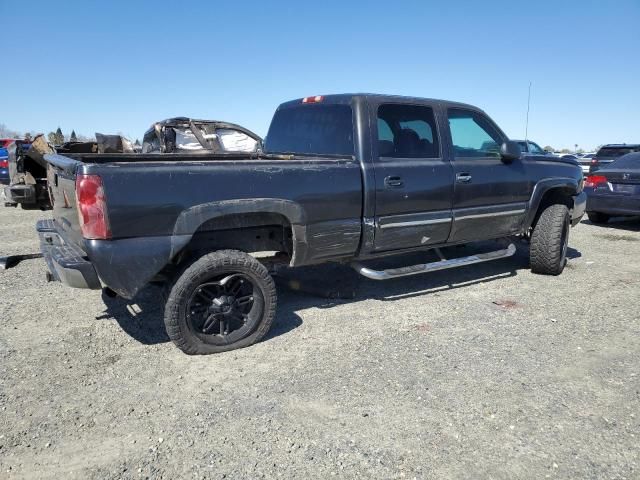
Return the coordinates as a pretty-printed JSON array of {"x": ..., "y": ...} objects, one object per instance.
[{"x": 433, "y": 266}]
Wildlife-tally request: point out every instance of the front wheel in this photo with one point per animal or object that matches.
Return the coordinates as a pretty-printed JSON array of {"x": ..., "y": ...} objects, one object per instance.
[
  {"x": 223, "y": 301},
  {"x": 549, "y": 240}
]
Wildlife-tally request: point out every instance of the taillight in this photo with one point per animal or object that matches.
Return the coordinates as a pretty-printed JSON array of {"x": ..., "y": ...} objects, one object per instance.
[
  {"x": 92, "y": 207},
  {"x": 593, "y": 161},
  {"x": 593, "y": 181},
  {"x": 4, "y": 163}
]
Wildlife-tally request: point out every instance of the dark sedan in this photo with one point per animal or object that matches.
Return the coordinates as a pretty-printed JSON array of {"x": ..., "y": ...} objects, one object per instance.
[
  {"x": 614, "y": 190},
  {"x": 610, "y": 153}
]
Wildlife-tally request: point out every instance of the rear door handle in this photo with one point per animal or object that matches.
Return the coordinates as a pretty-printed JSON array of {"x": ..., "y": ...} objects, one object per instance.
[
  {"x": 463, "y": 178},
  {"x": 393, "y": 181}
]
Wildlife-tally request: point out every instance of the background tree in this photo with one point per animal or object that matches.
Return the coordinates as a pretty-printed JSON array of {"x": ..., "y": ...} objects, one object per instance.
[
  {"x": 59, "y": 137},
  {"x": 51, "y": 137},
  {"x": 137, "y": 144},
  {"x": 7, "y": 132},
  {"x": 73, "y": 137},
  {"x": 549, "y": 148}
]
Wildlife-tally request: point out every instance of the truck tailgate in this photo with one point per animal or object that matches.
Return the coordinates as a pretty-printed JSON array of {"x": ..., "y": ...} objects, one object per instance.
[{"x": 61, "y": 178}]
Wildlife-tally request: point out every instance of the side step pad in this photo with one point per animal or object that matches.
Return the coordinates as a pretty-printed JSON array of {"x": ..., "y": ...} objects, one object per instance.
[{"x": 433, "y": 266}]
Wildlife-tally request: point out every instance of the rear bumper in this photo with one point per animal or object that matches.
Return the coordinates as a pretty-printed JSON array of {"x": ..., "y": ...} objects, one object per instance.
[
  {"x": 24, "y": 194},
  {"x": 65, "y": 262},
  {"x": 579, "y": 207},
  {"x": 614, "y": 204}
]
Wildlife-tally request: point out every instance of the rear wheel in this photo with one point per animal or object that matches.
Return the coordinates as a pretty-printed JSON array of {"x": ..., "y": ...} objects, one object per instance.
[
  {"x": 597, "y": 217},
  {"x": 223, "y": 301},
  {"x": 550, "y": 240}
]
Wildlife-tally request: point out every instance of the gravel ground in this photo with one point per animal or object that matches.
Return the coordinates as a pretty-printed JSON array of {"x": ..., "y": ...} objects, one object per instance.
[{"x": 482, "y": 372}]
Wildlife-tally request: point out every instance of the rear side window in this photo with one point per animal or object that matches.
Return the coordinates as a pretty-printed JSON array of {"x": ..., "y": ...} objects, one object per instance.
[
  {"x": 407, "y": 131},
  {"x": 314, "y": 128},
  {"x": 473, "y": 135}
]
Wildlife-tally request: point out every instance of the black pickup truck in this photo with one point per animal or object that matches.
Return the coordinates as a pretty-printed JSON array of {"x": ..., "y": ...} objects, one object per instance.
[{"x": 341, "y": 178}]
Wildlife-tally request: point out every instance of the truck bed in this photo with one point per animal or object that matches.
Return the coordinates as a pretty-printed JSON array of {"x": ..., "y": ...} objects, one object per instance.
[{"x": 156, "y": 205}]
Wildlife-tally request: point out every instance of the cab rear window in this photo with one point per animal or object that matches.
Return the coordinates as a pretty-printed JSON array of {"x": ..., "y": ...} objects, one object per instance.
[{"x": 315, "y": 128}]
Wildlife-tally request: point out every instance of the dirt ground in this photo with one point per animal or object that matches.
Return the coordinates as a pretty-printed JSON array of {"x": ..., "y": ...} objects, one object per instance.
[{"x": 487, "y": 371}]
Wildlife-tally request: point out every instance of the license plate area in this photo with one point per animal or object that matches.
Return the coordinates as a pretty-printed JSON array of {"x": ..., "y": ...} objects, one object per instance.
[{"x": 625, "y": 188}]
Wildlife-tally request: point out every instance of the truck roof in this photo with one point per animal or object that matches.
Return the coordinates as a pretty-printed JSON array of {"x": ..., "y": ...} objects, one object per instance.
[{"x": 346, "y": 98}]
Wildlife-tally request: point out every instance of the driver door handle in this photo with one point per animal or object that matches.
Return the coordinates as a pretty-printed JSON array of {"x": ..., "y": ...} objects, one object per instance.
[
  {"x": 463, "y": 177},
  {"x": 393, "y": 181}
]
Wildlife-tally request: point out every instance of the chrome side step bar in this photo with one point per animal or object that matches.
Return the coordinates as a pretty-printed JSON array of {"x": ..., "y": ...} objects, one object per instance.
[{"x": 433, "y": 266}]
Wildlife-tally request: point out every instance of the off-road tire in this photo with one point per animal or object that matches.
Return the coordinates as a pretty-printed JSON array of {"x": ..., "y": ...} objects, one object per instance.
[
  {"x": 206, "y": 267},
  {"x": 549, "y": 240},
  {"x": 597, "y": 217}
]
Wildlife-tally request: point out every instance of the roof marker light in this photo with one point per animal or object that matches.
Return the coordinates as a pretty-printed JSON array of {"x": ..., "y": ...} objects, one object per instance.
[{"x": 316, "y": 99}]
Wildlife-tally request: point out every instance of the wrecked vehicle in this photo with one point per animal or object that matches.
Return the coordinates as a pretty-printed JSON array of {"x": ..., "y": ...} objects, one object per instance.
[
  {"x": 27, "y": 185},
  {"x": 187, "y": 135},
  {"x": 342, "y": 178}
]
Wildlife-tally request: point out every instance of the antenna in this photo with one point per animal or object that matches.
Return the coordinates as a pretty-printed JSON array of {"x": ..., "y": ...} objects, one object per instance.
[{"x": 526, "y": 128}]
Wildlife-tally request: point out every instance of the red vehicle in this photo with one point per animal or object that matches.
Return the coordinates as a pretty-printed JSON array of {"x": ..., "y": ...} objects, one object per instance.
[{"x": 4, "y": 160}]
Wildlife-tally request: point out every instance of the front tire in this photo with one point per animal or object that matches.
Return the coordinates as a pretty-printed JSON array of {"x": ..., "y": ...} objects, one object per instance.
[
  {"x": 549, "y": 241},
  {"x": 223, "y": 301},
  {"x": 597, "y": 217}
]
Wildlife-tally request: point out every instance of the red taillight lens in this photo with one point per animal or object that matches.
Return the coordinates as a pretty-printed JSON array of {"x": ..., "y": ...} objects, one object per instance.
[
  {"x": 4, "y": 163},
  {"x": 594, "y": 181},
  {"x": 92, "y": 207}
]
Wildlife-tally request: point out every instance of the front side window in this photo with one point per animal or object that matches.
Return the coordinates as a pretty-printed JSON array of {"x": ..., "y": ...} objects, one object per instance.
[
  {"x": 407, "y": 131},
  {"x": 473, "y": 135},
  {"x": 535, "y": 148}
]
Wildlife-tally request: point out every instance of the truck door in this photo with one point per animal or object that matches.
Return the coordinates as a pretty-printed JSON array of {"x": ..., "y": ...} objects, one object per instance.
[
  {"x": 490, "y": 196},
  {"x": 414, "y": 183}
]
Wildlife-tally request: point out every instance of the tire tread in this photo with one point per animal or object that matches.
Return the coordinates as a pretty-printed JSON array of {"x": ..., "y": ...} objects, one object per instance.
[{"x": 545, "y": 252}]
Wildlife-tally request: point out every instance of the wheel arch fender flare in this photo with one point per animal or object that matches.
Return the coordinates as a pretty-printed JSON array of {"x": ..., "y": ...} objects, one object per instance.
[
  {"x": 543, "y": 189},
  {"x": 192, "y": 218}
]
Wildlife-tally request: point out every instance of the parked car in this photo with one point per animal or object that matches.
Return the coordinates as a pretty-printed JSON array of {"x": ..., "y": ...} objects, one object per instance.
[
  {"x": 614, "y": 190},
  {"x": 531, "y": 148},
  {"x": 584, "y": 159},
  {"x": 342, "y": 178},
  {"x": 4, "y": 161},
  {"x": 609, "y": 153}
]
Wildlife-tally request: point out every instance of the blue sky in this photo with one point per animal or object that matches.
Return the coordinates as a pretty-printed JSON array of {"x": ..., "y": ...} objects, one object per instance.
[{"x": 118, "y": 66}]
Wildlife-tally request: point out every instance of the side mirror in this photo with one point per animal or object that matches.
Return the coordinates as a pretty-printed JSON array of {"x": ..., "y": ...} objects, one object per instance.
[{"x": 510, "y": 151}]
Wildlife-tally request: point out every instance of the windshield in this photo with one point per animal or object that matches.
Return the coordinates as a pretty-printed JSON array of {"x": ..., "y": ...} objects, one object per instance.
[{"x": 616, "y": 152}]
